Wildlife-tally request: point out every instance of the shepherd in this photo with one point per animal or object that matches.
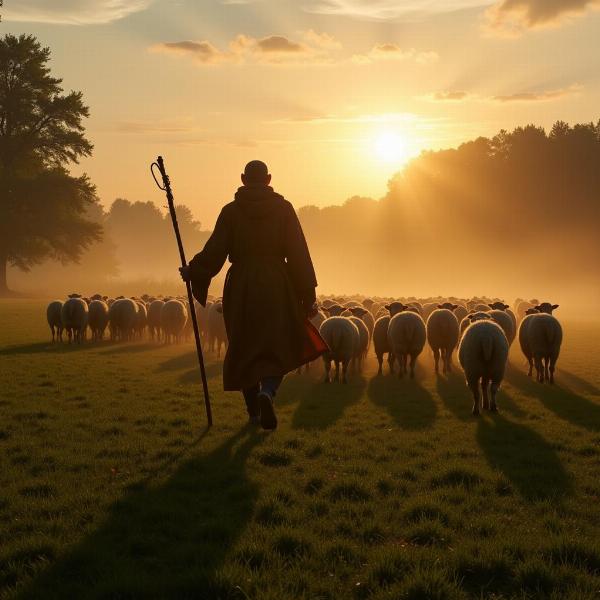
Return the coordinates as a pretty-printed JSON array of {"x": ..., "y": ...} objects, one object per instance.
[{"x": 269, "y": 291}]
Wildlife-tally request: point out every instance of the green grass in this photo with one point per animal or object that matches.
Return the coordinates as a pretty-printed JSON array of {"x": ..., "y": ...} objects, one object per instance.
[{"x": 111, "y": 487}]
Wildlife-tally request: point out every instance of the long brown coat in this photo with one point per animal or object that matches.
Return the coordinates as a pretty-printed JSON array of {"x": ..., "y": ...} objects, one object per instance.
[{"x": 270, "y": 281}]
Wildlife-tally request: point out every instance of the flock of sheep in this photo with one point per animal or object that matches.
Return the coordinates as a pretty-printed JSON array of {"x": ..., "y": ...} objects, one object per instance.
[
  {"x": 482, "y": 329},
  {"x": 163, "y": 319}
]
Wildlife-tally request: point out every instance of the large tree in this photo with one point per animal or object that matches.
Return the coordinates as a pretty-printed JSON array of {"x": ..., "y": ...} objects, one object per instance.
[{"x": 42, "y": 207}]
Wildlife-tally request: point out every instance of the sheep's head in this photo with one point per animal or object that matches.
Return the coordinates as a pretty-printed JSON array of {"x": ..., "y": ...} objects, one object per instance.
[
  {"x": 218, "y": 307},
  {"x": 335, "y": 310},
  {"x": 479, "y": 316},
  {"x": 367, "y": 302},
  {"x": 498, "y": 306},
  {"x": 359, "y": 312},
  {"x": 74, "y": 296},
  {"x": 532, "y": 311},
  {"x": 534, "y": 301},
  {"x": 546, "y": 307},
  {"x": 395, "y": 307},
  {"x": 448, "y": 306}
]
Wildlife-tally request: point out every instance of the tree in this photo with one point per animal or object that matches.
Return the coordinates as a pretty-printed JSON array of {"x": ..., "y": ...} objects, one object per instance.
[{"x": 42, "y": 207}]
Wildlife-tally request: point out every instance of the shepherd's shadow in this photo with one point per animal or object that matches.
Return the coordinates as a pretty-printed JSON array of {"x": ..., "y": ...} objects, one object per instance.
[
  {"x": 322, "y": 404},
  {"x": 165, "y": 541}
]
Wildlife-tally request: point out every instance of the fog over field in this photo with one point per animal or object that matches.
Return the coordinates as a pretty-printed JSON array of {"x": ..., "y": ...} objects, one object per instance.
[{"x": 514, "y": 215}]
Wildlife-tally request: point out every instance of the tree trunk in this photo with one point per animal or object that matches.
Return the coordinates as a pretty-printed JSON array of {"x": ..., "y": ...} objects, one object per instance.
[{"x": 4, "y": 291}]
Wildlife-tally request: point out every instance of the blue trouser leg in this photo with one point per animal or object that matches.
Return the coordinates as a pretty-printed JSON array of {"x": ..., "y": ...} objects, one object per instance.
[{"x": 271, "y": 384}]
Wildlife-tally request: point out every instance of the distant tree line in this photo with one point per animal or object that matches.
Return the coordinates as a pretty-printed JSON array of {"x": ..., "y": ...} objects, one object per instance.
[{"x": 522, "y": 207}]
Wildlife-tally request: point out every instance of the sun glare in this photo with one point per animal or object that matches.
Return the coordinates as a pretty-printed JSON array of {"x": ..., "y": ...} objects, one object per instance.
[{"x": 390, "y": 147}]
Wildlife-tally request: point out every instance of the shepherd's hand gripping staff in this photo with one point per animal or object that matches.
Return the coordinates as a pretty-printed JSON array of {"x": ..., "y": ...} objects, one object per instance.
[{"x": 166, "y": 187}]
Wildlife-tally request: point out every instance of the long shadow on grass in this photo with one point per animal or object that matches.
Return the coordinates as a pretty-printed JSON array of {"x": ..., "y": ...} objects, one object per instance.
[
  {"x": 524, "y": 457},
  {"x": 130, "y": 348},
  {"x": 189, "y": 361},
  {"x": 457, "y": 397},
  {"x": 561, "y": 401},
  {"x": 48, "y": 348},
  {"x": 164, "y": 542},
  {"x": 577, "y": 383},
  {"x": 407, "y": 402},
  {"x": 322, "y": 404}
]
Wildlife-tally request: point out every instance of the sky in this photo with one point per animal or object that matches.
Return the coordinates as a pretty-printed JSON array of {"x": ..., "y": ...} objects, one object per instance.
[{"x": 335, "y": 95}]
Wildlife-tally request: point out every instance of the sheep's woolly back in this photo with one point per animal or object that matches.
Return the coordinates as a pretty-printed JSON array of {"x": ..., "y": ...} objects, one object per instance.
[
  {"x": 380, "y": 335},
  {"x": 364, "y": 337},
  {"x": 53, "y": 313},
  {"x": 406, "y": 333},
  {"x": 503, "y": 319},
  {"x": 483, "y": 351},
  {"x": 544, "y": 334},
  {"x": 524, "y": 335},
  {"x": 442, "y": 329},
  {"x": 173, "y": 317},
  {"x": 342, "y": 337},
  {"x": 74, "y": 313}
]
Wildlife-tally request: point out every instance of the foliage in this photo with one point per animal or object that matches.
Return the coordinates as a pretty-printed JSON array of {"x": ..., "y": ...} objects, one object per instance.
[{"x": 42, "y": 207}]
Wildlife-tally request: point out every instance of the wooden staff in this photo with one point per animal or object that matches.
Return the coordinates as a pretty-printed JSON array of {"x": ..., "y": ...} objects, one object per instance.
[{"x": 166, "y": 187}]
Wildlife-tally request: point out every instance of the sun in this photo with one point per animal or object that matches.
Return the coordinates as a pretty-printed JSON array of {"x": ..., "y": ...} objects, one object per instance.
[{"x": 390, "y": 147}]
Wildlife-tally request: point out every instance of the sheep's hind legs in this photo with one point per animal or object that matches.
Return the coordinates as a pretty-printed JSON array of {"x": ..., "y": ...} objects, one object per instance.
[
  {"x": 485, "y": 389},
  {"x": 474, "y": 387}
]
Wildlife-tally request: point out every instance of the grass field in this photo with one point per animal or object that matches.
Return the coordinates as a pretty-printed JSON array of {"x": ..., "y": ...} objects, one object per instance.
[{"x": 111, "y": 487}]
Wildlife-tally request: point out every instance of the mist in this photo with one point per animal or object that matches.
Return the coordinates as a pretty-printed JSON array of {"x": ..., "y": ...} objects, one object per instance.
[{"x": 513, "y": 215}]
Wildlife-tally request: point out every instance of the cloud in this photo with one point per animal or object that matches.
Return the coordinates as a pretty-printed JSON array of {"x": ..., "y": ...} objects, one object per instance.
[
  {"x": 203, "y": 52},
  {"x": 144, "y": 127},
  {"x": 314, "y": 48},
  {"x": 529, "y": 96},
  {"x": 513, "y": 17},
  {"x": 391, "y": 9},
  {"x": 389, "y": 51},
  {"x": 71, "y": 12},
  {"x": 541, "y": 96},
  {"x": 450, "y": 96}
]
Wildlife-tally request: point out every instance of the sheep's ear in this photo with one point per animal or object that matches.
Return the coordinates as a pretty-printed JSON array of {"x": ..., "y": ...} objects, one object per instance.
[
  {"x": 555, "y": 306},
  {"x": 491, "y": 305},
  {"x": 387, "y": 307},
  {"x": 440, "y": 306},
  {"x": 454, "y": 306}
]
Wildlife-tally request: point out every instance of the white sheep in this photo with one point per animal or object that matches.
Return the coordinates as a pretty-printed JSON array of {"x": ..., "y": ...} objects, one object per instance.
[
  {"x": 53, "y": 315},
  {"x": 406, "y": 338},
  {"x": 482, "y": 353},
  {"x": 342, "y": 338},
  {"x": 97, "y": 318},
  {"x": 363, "y": 342},
  {"x": 74, "y": 317},
  {"x": 381, "y": 344},
  {"x": 524, "y": 337},
  {"x": 173, "y": 317},
  {"x": 122, "y": 314},
  {"x": 504, "y": 320},
  {"x": 544, "y": 334},
  {"x": 460, "y": 312},
  {"x": 141, "y": 318},
  {"x": 366, "y": 317},
  {"x": 216, "y": 328},
  {"x": 443, "y": 335},
  {"x": 153, "y": 319}
]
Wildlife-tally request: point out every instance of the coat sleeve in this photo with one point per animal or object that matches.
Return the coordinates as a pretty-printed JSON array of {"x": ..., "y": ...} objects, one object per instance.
[
  {"x": 207, "y": 263},
  {"x": 300, "y": 265}
]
